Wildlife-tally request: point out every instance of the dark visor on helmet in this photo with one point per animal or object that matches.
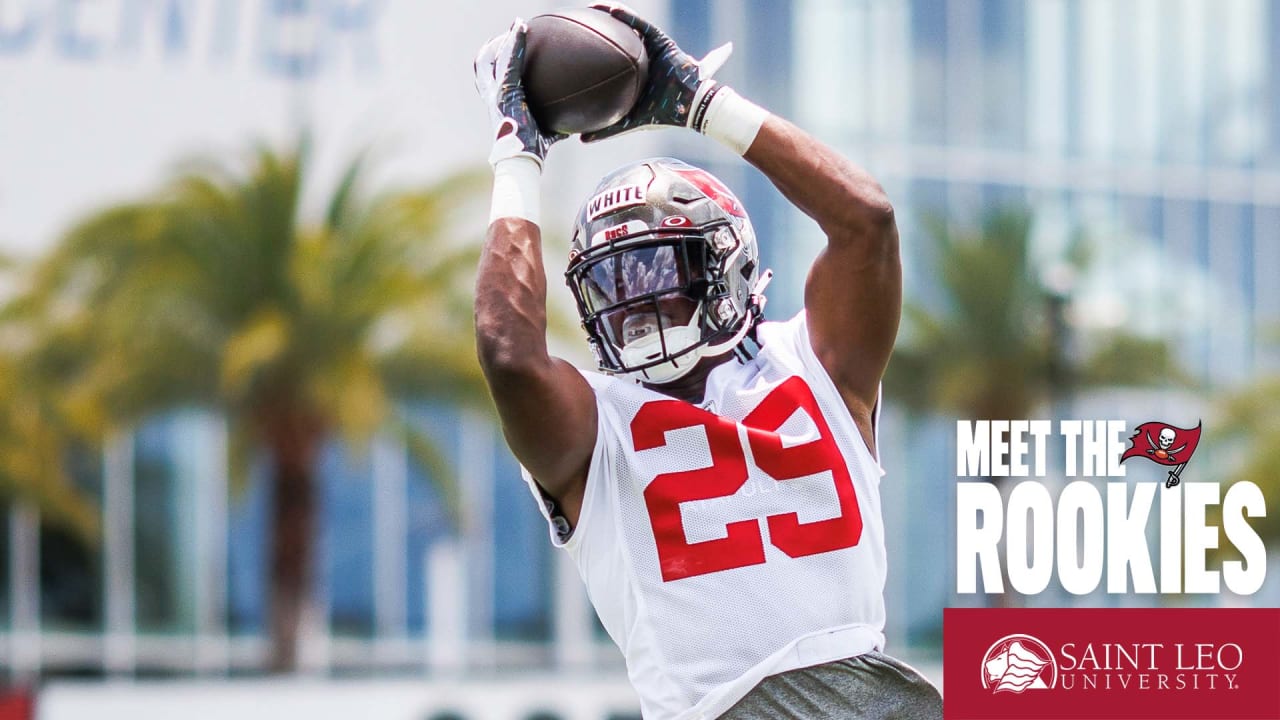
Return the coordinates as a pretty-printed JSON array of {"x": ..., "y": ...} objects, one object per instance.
[{"x": 660, "y": 267}]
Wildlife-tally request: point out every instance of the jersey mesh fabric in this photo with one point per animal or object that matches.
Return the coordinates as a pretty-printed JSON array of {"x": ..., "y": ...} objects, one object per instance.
[{"x": 697, "y": 643}]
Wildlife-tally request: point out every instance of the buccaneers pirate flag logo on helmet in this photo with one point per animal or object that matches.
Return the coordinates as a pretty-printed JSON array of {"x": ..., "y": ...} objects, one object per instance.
[{"x": 1165, "y": 444}]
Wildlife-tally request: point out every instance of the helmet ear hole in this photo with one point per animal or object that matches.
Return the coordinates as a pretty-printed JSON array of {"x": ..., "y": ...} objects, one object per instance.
[
  {"x": 723, "y": 241},
  {"x": 724, "y": 313}
]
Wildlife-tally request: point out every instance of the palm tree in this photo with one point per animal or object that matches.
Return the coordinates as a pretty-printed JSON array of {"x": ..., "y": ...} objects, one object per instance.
[
  {"x": 34, "y": 443},
  {"x": 35, "y": 436},
  {"x": 216, "y": 292},
  {"x": 996, "y": 346}
]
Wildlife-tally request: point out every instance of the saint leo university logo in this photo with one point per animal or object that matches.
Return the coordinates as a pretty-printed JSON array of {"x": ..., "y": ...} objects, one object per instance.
[{"x": 1016, "y": 663}]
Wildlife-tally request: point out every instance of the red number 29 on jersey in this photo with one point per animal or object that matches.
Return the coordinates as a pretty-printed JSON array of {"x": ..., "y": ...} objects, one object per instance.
[{"x": 743, "y": 544}]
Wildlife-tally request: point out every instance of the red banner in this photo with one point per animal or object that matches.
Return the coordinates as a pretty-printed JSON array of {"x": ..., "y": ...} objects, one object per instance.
[
  {"x": 1163, "y": 444},
  {"x": 1099, "y": 663}
]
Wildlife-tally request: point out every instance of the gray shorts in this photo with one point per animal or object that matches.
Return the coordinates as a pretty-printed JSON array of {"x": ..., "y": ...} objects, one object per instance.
[{"x": 873, "y": 686}]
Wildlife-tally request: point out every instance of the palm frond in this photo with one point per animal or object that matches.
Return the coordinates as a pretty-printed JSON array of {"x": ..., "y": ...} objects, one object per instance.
[
  {"x": 214, "y": 291},
  {"x": 343, "y": 207},
  {"x": 988, "y": 346}
]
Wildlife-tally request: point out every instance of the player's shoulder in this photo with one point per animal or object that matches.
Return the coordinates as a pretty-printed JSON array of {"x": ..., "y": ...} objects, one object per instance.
[
  {"x": 607, "y": 385},
  {"x": 615, "y": 394},
  {"x": 785, "y": 342},
  {"x": 785, "y": 330},
  {"x": 597, "y": 380}
]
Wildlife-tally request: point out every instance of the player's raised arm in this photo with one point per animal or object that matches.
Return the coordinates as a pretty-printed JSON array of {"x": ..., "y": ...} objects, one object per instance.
[
  {"x": 853, "y": 295},
  {"x": 547, "y": 409},
  {"x": 854, "y": 292}
]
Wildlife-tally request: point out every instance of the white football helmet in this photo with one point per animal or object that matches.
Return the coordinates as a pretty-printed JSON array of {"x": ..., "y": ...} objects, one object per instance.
[{"x": 664, "y": 267}]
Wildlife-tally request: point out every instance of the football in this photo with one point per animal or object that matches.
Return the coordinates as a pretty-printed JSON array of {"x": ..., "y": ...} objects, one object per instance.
[{"x": 584, "y": 70}]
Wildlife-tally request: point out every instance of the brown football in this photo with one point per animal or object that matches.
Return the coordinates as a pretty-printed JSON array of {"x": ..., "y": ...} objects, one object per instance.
[{"x": 584, "y": 70}]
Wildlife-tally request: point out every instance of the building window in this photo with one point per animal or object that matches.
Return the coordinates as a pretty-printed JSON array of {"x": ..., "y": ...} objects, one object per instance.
[
  {"x": 929, "y": 71},
  {"x": 71, "y": 597},
  {"x": 345, "y": 549},
  {"x": 157, "y": 539},
  {"x": 248, "y": 546}
]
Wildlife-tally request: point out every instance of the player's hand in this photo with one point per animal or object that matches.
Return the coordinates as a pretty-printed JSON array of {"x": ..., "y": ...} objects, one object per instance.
[
  {"x": 677, "y": 82},
  {"x": 498, "y": 67}
]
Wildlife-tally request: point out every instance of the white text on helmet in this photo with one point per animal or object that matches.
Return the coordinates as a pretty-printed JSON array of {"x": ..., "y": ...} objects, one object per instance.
[
  {"x": 615, "y": 198},
  {"x": 609, "y": 234}
]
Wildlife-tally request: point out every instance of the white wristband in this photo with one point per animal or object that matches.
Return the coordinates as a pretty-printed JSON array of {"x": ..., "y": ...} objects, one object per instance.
[
  {"x": 517, "y": 193},
  {"x": 732, "y": 119}
]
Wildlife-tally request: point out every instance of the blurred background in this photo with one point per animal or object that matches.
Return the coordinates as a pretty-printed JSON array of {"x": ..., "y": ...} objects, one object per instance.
[{"x": 246, "y": 462}]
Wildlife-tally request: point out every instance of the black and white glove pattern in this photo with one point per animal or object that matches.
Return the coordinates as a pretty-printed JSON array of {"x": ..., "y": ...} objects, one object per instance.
[
  {"x": 498, "y": 67},
  {"x": 679, "y": 87}
]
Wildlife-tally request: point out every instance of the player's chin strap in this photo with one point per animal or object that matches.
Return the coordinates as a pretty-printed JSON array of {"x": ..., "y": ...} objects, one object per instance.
[{"x": 754, "y": 312}]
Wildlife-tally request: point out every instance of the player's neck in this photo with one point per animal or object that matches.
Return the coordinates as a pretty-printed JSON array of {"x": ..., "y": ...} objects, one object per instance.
[{"x": 692, "y": 388}]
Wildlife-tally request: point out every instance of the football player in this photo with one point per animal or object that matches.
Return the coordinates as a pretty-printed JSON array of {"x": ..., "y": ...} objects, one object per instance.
[{"x": 717, "y": 484}]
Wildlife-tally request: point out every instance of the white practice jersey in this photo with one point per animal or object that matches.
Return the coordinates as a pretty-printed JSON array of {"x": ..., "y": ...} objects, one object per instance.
[{"x": 724, "y": 543}]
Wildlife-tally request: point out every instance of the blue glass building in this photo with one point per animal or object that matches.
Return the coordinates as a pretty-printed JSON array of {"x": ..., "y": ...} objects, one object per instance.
[{"x": 1155, "y": 125}]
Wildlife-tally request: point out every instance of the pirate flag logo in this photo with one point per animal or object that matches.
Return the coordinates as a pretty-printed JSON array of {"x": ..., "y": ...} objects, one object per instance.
[{"x": 1166, "y": 445}]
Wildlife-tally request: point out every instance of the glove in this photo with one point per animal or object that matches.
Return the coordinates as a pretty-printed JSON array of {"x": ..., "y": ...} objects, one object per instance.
[
  {"x": 679, "y": 87},
  {"x": 498, "y": 67}
]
